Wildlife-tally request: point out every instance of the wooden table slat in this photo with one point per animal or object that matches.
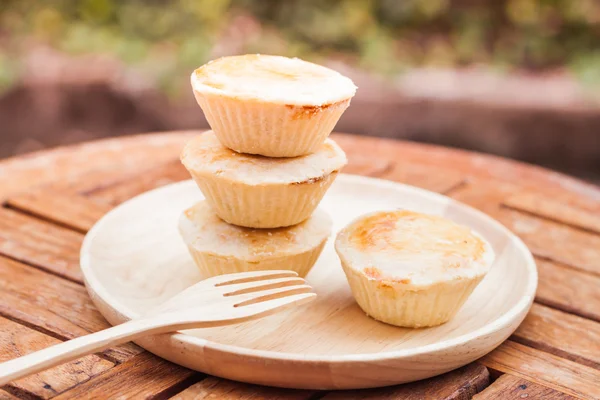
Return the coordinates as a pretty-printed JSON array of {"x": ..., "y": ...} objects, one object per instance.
[
  {"x": 551, "y": 240},
  {"x": 170, "y": 172},
  {"x": 460, "y": 384},
  {"x": 143, "y": 376},
  {"x": 216, "y": 388},
  {"x": 484, "y": 167},
  {"x": 556, "y": 242},
  {"x": 562, "y": 334},
  {"x": 40, "y": 243},
  {"x": 95, "y": 179},
  {"x": 64, "y": 164},
  {"x": 17, "y": 340},
  {"x": 436, "y": 179},
  {"x": 72, "y": 210},
  {"x": 363, "y": 164},
  {"x": 568, "y": 290},
  {"x": 56, "y": 306},
  {"x": 7, "y": 396},
  {"x": 545, "y": 369},
  {"x": 555, "y": 211},
  {"x": 512, "y": 387}
]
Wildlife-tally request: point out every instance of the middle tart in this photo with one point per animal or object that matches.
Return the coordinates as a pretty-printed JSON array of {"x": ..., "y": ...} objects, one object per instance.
[
  {"x": 221, "y": 248},
  {"x": 261, "y": 192}
]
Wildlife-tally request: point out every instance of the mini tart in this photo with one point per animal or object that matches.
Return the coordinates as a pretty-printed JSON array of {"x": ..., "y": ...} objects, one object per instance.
[
  {"x": 220, "y": 248},
  {"x": 261, "y": 192},
  {"x": 271, "y": 105},
  {"x": 410, "y": 269}
]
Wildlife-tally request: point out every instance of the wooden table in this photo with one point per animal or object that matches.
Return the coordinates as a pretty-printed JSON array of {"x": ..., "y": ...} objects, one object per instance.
[{"x": 50, "y": 199}]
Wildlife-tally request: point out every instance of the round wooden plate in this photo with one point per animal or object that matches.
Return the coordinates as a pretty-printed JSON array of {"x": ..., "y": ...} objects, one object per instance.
[{"x": 133, "y": 259}]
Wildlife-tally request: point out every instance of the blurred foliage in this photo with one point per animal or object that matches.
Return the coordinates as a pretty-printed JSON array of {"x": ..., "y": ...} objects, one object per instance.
[{"x": 169, "y": 38}]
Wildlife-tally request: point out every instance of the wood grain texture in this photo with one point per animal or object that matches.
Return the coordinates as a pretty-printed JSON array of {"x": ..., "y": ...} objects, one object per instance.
[
  {"x": 67, "y": 209},
  {"x": 55, "y": 306},
  {"x": 555, "y": 210},
  {"x": 556, "y": 242},
  {"x": 547, "y": 239},
  {"x": 143, "y": 376},
  {"x": 94, "y": 179},
  {"x": 566, "y": 335},
  {"x": 362, "y": 164},
  {"x": 17, "y": 340},
  {"x": 393, "y": 166},
  {"x": 25, "y": 172},
  {"x": 215, "y": 388},
  {"x": 473, "y": 165},
  {"x": 460, "y": 384},
  {"x": 545, "y": 369},
  {"x": 440, "y": 179},
  {"x": 568, "y": 290},
  {"x": 7, "y": 396},
  {"x": 567, "y": 197},
  {"x": 511, "y": 387},
  {"x": 170, "y": 172},
  {"x": 47, "y": 246}
]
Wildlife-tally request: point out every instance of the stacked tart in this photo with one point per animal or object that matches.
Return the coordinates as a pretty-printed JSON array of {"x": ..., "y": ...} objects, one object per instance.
[{"x": 266, "y": 164}]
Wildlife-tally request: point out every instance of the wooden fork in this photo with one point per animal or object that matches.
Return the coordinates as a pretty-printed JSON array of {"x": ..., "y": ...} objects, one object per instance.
[{"x": 222, "y": 300}]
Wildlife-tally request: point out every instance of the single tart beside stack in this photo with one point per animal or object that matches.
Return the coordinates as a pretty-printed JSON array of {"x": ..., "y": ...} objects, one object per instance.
[
  {"x": 261, "y": 192},
  {"x": 410, "y": 269},
  {"x": 271, "y": 105},
  {"x": 221, "y": 248}
]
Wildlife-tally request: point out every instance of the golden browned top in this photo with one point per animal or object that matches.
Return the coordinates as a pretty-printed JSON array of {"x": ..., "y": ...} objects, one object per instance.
[
  {"x": 262, "y": 66},
  {"x": 412, "y": 232},
  {"x": 277, "y": 79},
  {"x": 258, "y": 242},
  {"x": 205, "y": 231},
  {"x": 411, "y": 248},
  {"x": 205, "y": 155}
]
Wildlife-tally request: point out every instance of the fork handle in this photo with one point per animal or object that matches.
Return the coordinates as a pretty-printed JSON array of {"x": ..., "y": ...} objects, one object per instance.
[{"x": 81, "y": 346}]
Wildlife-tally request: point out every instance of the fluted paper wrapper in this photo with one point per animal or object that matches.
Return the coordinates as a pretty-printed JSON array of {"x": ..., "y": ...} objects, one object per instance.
[
  {"x": 263, "y": 206},
  {"x": 212, "y": 265},
  {"x": 269, "y": 129},
  {"x": 409, "y": 308}
]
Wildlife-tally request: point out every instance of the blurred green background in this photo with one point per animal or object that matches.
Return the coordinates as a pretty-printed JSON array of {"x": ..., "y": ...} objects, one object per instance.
[
  {"x": 168, "y": 38},
  {"x": 107, "y": 52}
]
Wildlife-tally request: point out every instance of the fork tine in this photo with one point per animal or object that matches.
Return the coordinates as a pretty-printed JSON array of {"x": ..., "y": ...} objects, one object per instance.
[
  {"x": 251, "y": 276},
  {"x": 256, "y": 286},
  {"x": 270, "y": 294},
  {"x": 273, "y": 306}
]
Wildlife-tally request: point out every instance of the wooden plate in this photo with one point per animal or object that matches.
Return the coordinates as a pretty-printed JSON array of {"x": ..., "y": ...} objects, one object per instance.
[{"x": 133, "y": 258}]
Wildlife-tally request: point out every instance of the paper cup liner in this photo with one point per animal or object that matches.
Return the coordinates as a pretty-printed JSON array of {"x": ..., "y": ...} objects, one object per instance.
[
  {"x": 263, "y": 206},
  {"x": 394, "y": 305},
  {"x": 211, "y": 264},
  {"x": 269, "y": 129}
]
